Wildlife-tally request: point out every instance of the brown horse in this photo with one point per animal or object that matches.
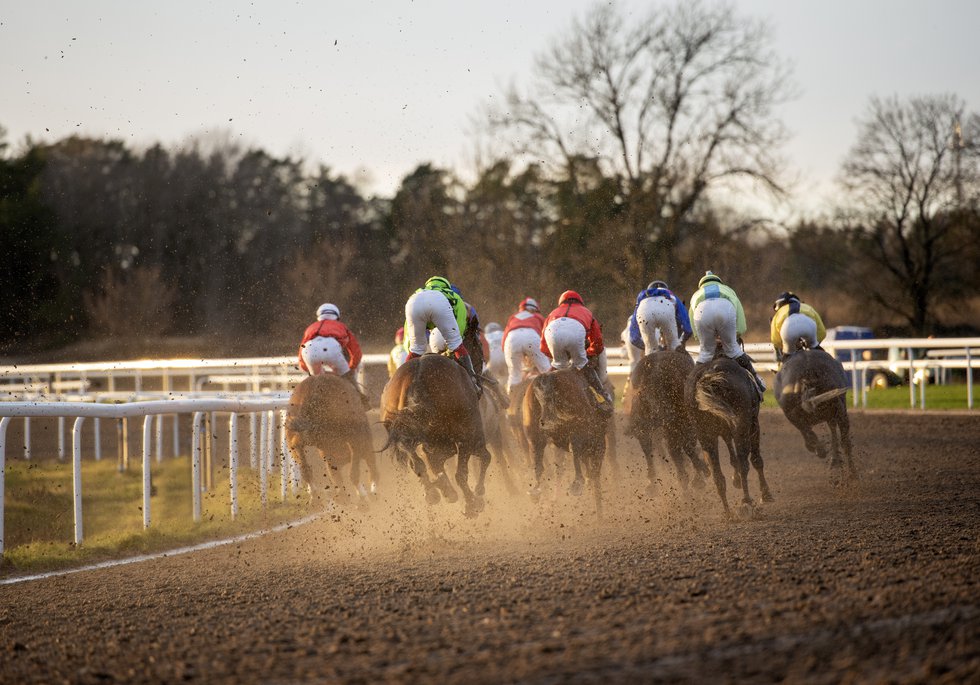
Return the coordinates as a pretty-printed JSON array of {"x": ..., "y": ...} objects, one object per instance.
[
  {"x": 325, "y": 415},
  {"x": 810, "y": 388},
  {"x": 725, "y": 403},
  {"x": 558, "y": 409},
  {"x": 658, "y": 409},
  {"x": 431, "y": 402}
]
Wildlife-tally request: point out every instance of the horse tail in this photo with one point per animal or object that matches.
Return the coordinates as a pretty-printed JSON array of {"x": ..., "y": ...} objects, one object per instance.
[
  {"x": 404, "y": 427},
  {"x": 810, "y": 402},
  {"x": 708, "y": 401}
]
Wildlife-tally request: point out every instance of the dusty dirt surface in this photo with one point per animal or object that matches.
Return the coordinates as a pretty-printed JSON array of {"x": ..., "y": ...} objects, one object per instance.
[{"x": 876, "y": 582}]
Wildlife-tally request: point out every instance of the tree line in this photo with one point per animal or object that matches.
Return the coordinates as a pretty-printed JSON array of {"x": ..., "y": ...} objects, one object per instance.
[{"x": 609, "y": 169}]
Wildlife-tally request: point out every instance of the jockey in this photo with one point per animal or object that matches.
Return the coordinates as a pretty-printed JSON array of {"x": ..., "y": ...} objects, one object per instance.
[
  {"x": 436, "y": 305},
  {"x": 327, "y": 342},
  {"x": 719, "y": 317},
  {"x": 495, "y": 343},
  {"x": 396, "y": 357},
  {"x": 794, "y": 320},
  {"x": 634, "y": 352},
  {"x": 521, "y": 342},
  {"x": 658, "y": 308},
  {"x": 573, "y": 337}
]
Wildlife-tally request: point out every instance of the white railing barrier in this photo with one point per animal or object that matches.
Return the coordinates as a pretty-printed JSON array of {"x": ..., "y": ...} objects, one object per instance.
[{"x": 148, "y": 410}]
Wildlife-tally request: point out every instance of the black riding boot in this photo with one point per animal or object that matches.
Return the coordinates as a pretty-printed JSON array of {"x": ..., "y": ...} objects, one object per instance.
[
  {"x": 467, "y": 363},
  {"x": 352, "y": 377},
  {"x": 745, "y": 361},
  {"x": 603, "y": 401}
]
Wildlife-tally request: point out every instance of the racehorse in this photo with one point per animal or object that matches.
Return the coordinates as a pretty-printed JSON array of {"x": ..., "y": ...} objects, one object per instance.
[
  {"x": 810, "y": 387},
  {"x": 657, "y": 408},
  {"x": 557, "y": 408},
  {"x": 726, "y": 402},
  {"x": 325, "y": 414},
  {"x": 431, "y": 402}
]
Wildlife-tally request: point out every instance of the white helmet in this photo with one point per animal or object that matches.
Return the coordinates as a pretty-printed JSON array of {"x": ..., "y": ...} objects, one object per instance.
[{"x": 327, "y": 311}]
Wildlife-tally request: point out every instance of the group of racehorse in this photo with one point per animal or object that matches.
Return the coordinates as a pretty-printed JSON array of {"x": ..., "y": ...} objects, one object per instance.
[{"x": 432, "y": 413}]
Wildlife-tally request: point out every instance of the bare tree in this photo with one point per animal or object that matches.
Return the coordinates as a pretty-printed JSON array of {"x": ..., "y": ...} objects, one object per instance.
[
  {"x": 133, "y": 303},
  {"x": 913, "y": 181},
  {"x": 672, "y": 105}
]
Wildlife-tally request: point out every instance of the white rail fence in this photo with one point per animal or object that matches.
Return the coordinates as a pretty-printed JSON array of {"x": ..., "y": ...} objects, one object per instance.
[
  {"x": 153, "y": 389},
  {"x": 262, "y": 453}
]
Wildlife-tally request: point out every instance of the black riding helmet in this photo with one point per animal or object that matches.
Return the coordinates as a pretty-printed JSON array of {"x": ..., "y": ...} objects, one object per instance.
[{"x": 784, "y": 298}]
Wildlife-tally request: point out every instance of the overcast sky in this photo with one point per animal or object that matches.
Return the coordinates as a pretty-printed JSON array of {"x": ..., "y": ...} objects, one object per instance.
[{"x": 375, "y": 88}]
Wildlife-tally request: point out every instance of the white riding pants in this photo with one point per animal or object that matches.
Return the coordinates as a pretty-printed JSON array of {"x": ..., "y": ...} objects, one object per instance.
[
  {"x": 522, "y": 352},
  {"x": 798, "y": 326},
  {"x": 566, "y": 340},
  {"x": 656, "y": 317},
  {"x": 423, "y": 308},
  {"x": 714, "y": 320},
  {"x": 323, "y": 352}
]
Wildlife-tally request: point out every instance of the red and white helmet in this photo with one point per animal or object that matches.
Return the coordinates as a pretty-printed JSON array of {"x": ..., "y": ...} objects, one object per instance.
[{"x": 529, "y": 304}]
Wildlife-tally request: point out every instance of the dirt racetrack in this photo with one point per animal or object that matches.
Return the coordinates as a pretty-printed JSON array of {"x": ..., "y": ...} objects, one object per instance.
[{"x": 878, "y": 582}]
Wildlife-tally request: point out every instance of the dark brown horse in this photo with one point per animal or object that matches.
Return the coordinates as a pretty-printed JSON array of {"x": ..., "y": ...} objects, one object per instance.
[
  {"x": 725, "y": 403},
  {"x": 557, "y": 408},
  {"x": 810, "y": 388},
  {"x": 658, "y": 410},
  {"x": 431, "y": 402},
  {"x": 325, "y": 416}
]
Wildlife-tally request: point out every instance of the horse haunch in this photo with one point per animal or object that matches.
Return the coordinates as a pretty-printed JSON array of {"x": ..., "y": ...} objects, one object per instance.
[
  {"x": 325, "y": 414},
  {"x": 430, "y": 402},
  {"x": 810, "y": 388},
  {"x": 658, "y": 408},
  {"x": 725, "y": 403},
  {"x": 557, "y": 408}
]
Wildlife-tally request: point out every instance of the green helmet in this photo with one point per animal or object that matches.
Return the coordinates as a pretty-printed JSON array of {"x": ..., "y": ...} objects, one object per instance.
[
  {"x": 438, "y": 283},
  {"x": 708, "y": 278}
]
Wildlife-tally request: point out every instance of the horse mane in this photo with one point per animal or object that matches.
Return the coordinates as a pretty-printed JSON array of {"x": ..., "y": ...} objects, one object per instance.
[{"x": 708, "y": 401}]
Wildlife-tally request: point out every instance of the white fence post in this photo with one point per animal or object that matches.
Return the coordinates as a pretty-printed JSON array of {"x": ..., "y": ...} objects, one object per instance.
[
  {"x": 147, "y": 482},
  {"x": 285, "y": 460},
  {"x": 4, "y": 422},
  {"x": 97, "y": 438},
  {"x": 233, "y": 462},
  {"x": 27, "y": 438},
  {"x": 196, "y": 465},
  {"x": 76, "y": 476}
]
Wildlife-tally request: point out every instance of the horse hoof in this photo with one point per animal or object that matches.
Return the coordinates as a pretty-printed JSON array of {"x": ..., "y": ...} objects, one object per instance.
[
  {"x": 737, "y": 482},
  {"x": 745, "y": 511},
  {"x": 361, "y": 490},
  {"x": 374, "y": 488},
  {"x": 699, "y": 483},
  {"x": 651, "y": 490},
  {"x": 575, "y": 490},
  {"x": 534, "y": 493},
  {"x": 767, "y": 497},
  {"x": 473, "y": 508},
  {"x": 432, "y": 496}
]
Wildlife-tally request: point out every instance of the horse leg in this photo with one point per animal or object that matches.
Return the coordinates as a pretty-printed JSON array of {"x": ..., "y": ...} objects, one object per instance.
[
  {"x": 844, "y": 424},
  {"x": 810, "y": 439},
  {"x": 710, "y": 448},
  {"x": 593, "y": 457},
  {"x": 537, "y": 442},
  {"x": 674, "y": 450},
  {"x": 743, "y": 445},
  {"x": 836, "y": 463},
  {"x": 733, "y": 460},
  {"x": 431, "y": 492},
  {"x": 474, "y": 501},
  {"x": 610, "y": 448},
  {"x": 579, "y": 483},
  {"x": 755, "y": 455},
  {"x": 437, "y": 462},
  {"x": 645, "y": 438},
  {"x": 694, "y": 455}
]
